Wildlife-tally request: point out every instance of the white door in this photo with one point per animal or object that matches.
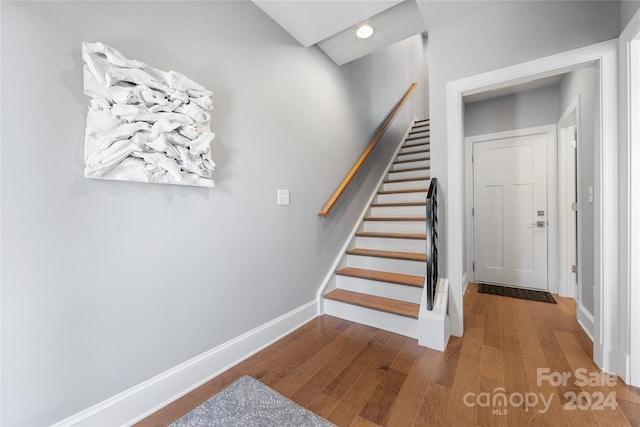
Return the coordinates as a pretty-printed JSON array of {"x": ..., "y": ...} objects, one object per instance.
[{"x": 510, "y": 211}]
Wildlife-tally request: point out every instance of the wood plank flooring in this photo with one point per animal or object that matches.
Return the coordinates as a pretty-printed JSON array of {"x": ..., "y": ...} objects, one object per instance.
[{"x": 355, "y": 375}]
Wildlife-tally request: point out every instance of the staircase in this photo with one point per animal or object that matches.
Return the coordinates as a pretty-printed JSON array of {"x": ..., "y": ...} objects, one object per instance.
[{"x": 380, "y": 278}]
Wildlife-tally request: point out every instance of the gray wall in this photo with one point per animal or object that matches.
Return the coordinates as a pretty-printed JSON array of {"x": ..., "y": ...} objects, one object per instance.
[
  {"x": 535, "y": 107},
  {"x": 585, "y": 83},
  {"x": 542, "y": 107},
  {"x": 532, "y": 108},
  {"x": 627, "y": 10},
  {"x": 426, "y": 73},
  {"x": 503, "y": 34},
  {"x": 107, "y": 284}
]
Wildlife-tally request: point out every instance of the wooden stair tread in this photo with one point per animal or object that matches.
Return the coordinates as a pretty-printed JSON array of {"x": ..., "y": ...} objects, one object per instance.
[
  {"x": 387, "y": 305},
  {"x": 396, "y": 218},
  {"x": 383, "y": 276},
  {"x": 398, "y": 204},
  {"x": 410, "y": 190},
  {"x": 420, "y": 178},
  {"x": 408, "y": 256},
  {"x": 411, "y": 236}
]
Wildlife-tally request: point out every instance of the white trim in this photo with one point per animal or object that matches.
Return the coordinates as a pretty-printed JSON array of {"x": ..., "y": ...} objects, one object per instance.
[
  {"x": 466, "y": 280},
  {"x": 341, "y": 253},
  {"x": 142, "y": 400},
  {"x": 629, "y": 66},
  {"x": 634, "y": 214},
  {"x": 468, "y": 189},
  {"x": 433, "y": 330},
  {"x": 567, "y": 287},
  {"x": 606, "y": 198},
  {"x": 552, "y": 192},
  {"x": 606, "y": 286},
  {"x": 585, "y": 320}
]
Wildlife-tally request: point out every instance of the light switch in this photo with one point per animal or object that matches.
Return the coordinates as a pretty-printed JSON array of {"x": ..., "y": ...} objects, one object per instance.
[
  {"x": 283, "y": 197},
  {"x": 590, "y": 194}
]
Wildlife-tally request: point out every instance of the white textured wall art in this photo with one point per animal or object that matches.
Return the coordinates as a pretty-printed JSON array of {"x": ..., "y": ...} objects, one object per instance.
[{"x": 144, "y": 124}]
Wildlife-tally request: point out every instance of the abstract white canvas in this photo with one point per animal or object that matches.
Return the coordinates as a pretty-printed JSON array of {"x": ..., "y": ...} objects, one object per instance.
[{"x": 144, "y": 124}]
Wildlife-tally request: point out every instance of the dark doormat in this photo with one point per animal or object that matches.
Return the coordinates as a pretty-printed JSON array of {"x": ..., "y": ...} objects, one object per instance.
[{"x": 507, "y": 291}]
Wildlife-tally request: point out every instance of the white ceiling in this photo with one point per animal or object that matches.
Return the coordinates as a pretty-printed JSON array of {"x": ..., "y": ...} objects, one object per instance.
[
  {"x": 331, "y": 24},
  {"x": 393, "y": 25},
  {"x": 310, "y": 22}
]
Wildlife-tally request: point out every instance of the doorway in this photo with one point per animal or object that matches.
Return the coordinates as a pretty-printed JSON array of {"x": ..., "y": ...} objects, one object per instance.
[{"x": 606, "y": 306}]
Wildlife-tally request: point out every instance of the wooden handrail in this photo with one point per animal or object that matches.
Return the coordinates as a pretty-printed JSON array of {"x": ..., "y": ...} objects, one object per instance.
[{"x": 327, "y": 208}]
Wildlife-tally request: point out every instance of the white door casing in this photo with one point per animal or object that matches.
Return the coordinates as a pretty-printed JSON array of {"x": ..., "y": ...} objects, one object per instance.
[
  {"x": 570, "y": 212},
  {"x": 607, "y": 349},
  {"x": 510, "y": 204},
  {"x": 569, "y": 219}
]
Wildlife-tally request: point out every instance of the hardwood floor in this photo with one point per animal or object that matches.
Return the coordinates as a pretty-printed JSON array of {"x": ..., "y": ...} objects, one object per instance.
[{"x": 355, "y": 375}]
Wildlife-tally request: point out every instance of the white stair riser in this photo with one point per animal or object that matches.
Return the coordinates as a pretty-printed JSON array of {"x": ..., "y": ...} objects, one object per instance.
[
  {"x": 405, "y": 185},
  {"x": 414, "y": 146},
  {"x": 396, "y": 226},
  {"x": 396, "y": 211},
  {"x": 401, "y": 197},
  {"x": 412, "y": 156},
  {"x": 387, "y": 244},
  {"x": 409, "y": 174},
  {"x": 378, "y": 319},
  {"x": 417, "y": 268},
  {"x": 416, "y": 139},
  {"x": 380, "y": 289},
  {"x": 411, "y": 165}
]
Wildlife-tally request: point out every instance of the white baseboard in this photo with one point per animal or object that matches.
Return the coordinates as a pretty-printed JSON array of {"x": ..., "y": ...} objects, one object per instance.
[
  {"x": 465, "y": 280},
  {"x": 144, "y": 399},
  {"x": 585, "y": 320}
]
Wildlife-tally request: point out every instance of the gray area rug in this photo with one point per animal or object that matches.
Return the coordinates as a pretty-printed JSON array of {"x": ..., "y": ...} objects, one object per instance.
[{"x": 250, "y": 403}]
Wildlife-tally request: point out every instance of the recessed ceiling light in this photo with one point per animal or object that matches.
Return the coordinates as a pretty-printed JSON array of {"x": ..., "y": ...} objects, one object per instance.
[{"x": 364, "y": 32}]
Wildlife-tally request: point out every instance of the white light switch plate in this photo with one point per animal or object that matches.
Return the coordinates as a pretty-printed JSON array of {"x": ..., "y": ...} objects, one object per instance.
[
  {"x": 283, "y": 197},
  {"x": 590, "y": 194}
]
